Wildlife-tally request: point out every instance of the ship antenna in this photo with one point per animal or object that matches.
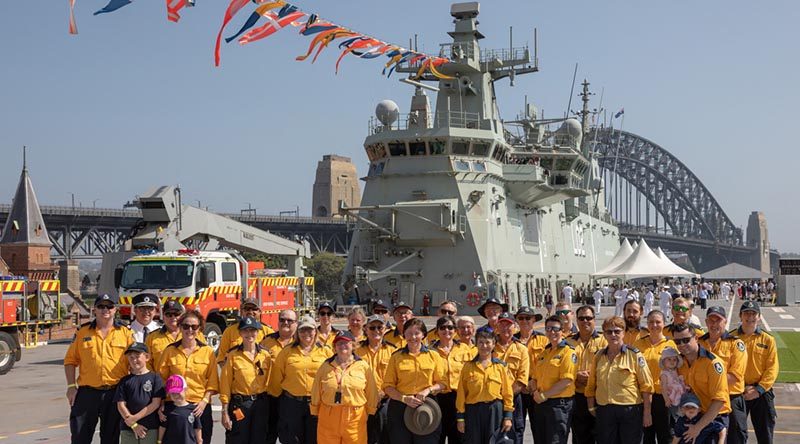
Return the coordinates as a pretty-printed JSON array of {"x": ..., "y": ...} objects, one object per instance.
[
  {"x": 24, "y": 158},
  {"x": 571, "y": 91}
]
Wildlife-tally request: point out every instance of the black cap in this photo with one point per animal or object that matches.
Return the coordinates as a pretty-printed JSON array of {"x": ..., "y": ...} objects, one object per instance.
[
  {"x": 716, "y": 310},
  {"x": 137, "y": 347},
  {"x": 525, "y": 311},
  {"x": 104, "y": 298},
  {"x": 507, "y": 317},
  {"x": 172, "y": 305},
  {"x": 250, "y": 301},
  {"x": 325, "y": 305},
  {"x": 401, "y": 304},
  {"x": 750, "y": 306},
  {"x": 145, "y": 300},
  {"x": 379, "y": 303},
  {"x": 344, "y": 335},
  {"x": 249, "y": 322},
  {"x": 492, "y": 300}
]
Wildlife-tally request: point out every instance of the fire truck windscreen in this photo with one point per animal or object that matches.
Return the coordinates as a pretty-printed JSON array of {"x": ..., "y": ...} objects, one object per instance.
[{"x": 156, "y": 274}]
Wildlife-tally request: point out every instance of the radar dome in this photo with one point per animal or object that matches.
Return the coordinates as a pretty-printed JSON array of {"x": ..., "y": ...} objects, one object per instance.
[
  {"x": 571, "y": 127},
  {"x": 387, "y": 112}
]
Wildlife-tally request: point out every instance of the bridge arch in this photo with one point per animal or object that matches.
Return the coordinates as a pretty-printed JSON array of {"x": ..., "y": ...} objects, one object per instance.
[{"x": 685, "y": 205}]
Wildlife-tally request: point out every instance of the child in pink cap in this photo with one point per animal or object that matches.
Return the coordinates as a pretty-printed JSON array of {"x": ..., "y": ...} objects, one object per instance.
[{"x": 181, "y": 426}]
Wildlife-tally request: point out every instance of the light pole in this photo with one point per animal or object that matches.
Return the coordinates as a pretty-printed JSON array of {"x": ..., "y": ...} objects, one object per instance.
[{"x": 73, "y": 199}]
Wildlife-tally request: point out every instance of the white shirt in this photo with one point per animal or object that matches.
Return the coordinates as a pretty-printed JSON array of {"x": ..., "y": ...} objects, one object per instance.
[
  {"x": 567, "y": 293},
  {"x": 138, "y": 329},
  {"x": 598, "y": 296}
]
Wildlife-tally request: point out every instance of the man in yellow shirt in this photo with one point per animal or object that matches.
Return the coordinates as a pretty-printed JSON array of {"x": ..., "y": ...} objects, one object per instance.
[
  {"x": 231, "y": 337},
  {"x": 401, "y": 313},
  {"x": 515, "y": 355},
  {"x": 274, "y": 343},
  {"x": 587, "y": 342},
  {"x": 760, "y": 372},
  {"x": 377, "y": 352},
  {"x": 98, "y": 353},
  {"x": 632, "y": 310}
]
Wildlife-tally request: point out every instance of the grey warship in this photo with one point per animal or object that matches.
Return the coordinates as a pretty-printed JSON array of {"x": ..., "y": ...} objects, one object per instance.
[{"x": 461, "y": 205}]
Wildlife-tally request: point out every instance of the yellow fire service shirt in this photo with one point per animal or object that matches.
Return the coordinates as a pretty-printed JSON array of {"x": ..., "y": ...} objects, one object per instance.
[
  {"x": 377, "y": 360},
  {"x": 453, "y": 363},
  {"x": 652, "y": 354},
  {"x": 535, "y": 343},
  {"x": 707, "y": 379},
  {"x": 585, "y": 352},
  {"x": 327, "y": 339},
  {"x": 242, "y": 375},
  {"x": 231, "y": 338},
  {"x": 159, "y": 340},
  {"x": 198, "y": 368},
  {"x": 554, "y": 364},
  {"x": 733, "y": 353},
  {"x": 410, "y": 374},
  {"x": 698, "y": 330},
  {"x": 394, "y": 337},
  {"x": 294, "y": 371},
  {"x": 273, "y": 345},
  {"x": 478, "y": 384},
  {"x": 621, "y": 381},
  {"x": 100, "y": 361},
  {"x": 633, "y": 335},
  {"x": 762, "y": 359},
  {"x": 516, "y": 356},
  {"x": 356, "y": 384}
]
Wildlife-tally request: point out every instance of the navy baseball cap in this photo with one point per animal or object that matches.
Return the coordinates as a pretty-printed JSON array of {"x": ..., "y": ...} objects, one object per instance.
[
  {"x": 104, "y": 298},
  {"x": 716, "y": 310},
  {"x": 379, "y": 303},
  {"x": 750, "y": 306},
  {"x": 172, "y": 305},
  {"x": 249, "y": 323},
  {"x": 137, "y": 347},
  {"x": 689, "y": 399},
  {"x": 325, "y": 305},
  {"x": 401, "y": 304},
  {"x": 505, "y": 317}
]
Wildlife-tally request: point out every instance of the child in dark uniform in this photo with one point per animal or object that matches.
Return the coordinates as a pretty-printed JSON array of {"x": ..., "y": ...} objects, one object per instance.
[
  {"x": 690, "y": 408},
  {"x": 138, "y": 397},
  {"x": 181, "y": 426}
]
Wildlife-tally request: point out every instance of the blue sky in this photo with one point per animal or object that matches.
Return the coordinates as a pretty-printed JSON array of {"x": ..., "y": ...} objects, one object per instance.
[{"x": 134, "y": 100}]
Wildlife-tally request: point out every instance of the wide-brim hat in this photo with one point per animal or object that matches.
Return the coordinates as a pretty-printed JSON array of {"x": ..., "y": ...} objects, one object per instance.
[
  {"x": 424, "y": 419},
  {"x": 492, "y": 300},
  {"x": 669, "y": 352},
  {"x": 500, "y": 437}
]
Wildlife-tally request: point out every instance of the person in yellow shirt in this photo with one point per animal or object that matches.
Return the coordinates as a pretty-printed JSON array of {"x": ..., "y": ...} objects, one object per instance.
[
  {"x": 516, "y": 356},
  {"x": 484, "y": 394},
  {"x": 651, "y": 346},
  {"x": 632, "y": 310},
  {"x": 413, "y": 374},
  {"x": 587, "y": 342},
  {"x": 243, "y": 388},
  {"x": 682, "y": 314},
  {"x": 619, "y": 390},
  {"x": 705, "y": 375},
  {"x": 466, "y": 333},
  {"x": 274, "y": 343},
  {"x": 355, "y": 323},
  {"x": 98, "y": 354},
  {"x": 401, "y": 314},
  {"x": 343, "y": 395},
  {"x": 454, "y": 354},
  {"x": 733, "y": 353},
  {"x": 377, "y": 353},
  {"x": 194, "y": 360},
  {"x": 170, "y": 332},
  {"x": 446, "y": 308},
  {"x": 760, "y": 372},
  {"x": 553, "y": 386},
  {"x": 326, "y": 332},
  {"x": 535, "y": 341},
  {"x": 291, "y": 379},
  {"x": 231, "y": 337}
]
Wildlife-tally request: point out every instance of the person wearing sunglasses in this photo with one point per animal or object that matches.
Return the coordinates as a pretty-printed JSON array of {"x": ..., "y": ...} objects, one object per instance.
[
  {"x": 682, "y": 314},
  {"x": 326, "y": 332},
  {"x": 243, "y": 388},
  {"x": 652, "y": 346},
  {"x": 535, "y": 342},
  {"x": 620, "y": 387},
  {"x": 633, "y": 322},
  {"x": 231, "y": 337},
  {"x": 194, "y": 360},
  {"x": 169, "y": 333},
  {"x": 552, "y": 386},
  {"x": 401, "y": 313},
  {"x": 516, "y": 356},
  {"x": 377, "y": 352},
  {"x": 587, "y": 342},
  {"x": 446, "y": 308},
  {"x": 98, "y": 352},
  {"x": 291, "y": 380},
  {"x": 564, "y": 312},
  {"x": 454, "y": 355},
  {"x": 274, "y": 343},
  {"x": 381, "y": 308},
  {"x": 705, "y": 374}
]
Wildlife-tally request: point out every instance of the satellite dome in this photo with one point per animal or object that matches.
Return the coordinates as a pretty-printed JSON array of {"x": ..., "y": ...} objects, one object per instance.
[
  {"x": 387, "y": 112},
  {"x": 572, "y": 127}
]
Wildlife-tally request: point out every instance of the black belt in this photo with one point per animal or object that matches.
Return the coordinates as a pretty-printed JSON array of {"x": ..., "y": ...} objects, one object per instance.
[
  {"x": 242, "y": 398},
  {"x": 296, "y": 398},
  {"x": 737, "y": 396}
]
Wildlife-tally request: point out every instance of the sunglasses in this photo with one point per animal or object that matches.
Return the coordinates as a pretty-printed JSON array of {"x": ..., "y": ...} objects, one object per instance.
[
  {"x": 375, "y": 327},
  {"x": 585, "y": 318},
  {"x": 105, "y": 307},
  {"x": 563, "y": 312},
  {"x": 193, "y": 327},
  {"x": 552, "y": 328},
  {"x": 446, "y": 327},
  {"x": 171, "y": 315},
  {"x": 615, "y": 331},
  {"x": 447, "y": 312},
  {"x": 682, "y": 341},
  {"x": 680, "y": 308},
  {"x": 286, "y": 321},
  {"x": 380, "y": 312},
  {"x": 524, "y": 318},
  {"x": 326, "y": 313}
]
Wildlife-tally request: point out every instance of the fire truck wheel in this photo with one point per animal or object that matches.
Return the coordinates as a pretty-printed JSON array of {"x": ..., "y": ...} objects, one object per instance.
[
  {"x": 213, "y": 335},
  {"x": 7, "y": 352}
]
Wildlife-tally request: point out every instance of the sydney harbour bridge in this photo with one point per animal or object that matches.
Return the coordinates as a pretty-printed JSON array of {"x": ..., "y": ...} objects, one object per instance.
[{"x": 649, "y": 192}]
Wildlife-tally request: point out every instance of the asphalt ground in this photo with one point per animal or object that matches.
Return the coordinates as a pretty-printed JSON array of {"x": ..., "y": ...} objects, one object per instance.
[{"x": 33, "y": 406}]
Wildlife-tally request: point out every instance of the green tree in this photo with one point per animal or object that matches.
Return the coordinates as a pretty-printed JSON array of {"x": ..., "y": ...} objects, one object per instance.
[{"x": 327, "y": 270}]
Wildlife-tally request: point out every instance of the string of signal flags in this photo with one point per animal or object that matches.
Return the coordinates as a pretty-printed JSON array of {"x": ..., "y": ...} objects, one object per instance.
[{"x": 273, "y": 16}]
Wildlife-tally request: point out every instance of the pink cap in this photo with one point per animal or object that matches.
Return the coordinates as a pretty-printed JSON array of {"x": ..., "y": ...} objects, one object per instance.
[{"x": 176, "y": 384}]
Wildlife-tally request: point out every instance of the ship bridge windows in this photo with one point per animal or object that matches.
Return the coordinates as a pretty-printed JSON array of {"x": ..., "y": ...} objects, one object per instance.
[
  {"x": 461, "y": 165},
  {"x": 417, "y": 148},
  {"x": 480, "y": 149},
  {"x": 397, "y": 149},
  {"x": 438, "y": 147},
  {"x": 376, "y": 169},
  {"x": 460, "y": 147},
  {"x": 376, "y": 152},
  {"x": 479, "y": 166}
]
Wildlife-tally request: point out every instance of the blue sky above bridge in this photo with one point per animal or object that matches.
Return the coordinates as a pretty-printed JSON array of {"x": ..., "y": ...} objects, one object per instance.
[{"x": 135, "y": 101}]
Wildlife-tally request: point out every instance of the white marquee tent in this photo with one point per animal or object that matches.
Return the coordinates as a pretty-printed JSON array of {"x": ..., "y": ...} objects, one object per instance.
[
  {"x": 624, "y": 251},
  {"x": 644, "y": 263}
]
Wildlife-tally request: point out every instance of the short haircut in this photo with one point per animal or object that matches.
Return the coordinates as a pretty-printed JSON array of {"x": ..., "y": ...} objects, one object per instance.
[
  {"x": 676, "y": 328},
  {"x": 584, "y": 308},
  {"x": 682, "y": 300},
  {"x": 415, "y": 322},
  {"x": 484, "y": 334},
  {"x": 193, "y": 314},
  {"x": 564, "y": 304},
  {"x": 614, "y": 321},
  {"x": 657, "y": 313},
  {"x": 465, "y": 319},
  {"x": 632, "y": 301},
  {"x": 553, "y": 318},
  {"x": 444, "y": 320},
  {"x": 287, "y": 311}
]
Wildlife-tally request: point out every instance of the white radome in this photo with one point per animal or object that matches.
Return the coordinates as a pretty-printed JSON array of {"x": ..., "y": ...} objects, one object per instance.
[{"x": 387, "y": 112}]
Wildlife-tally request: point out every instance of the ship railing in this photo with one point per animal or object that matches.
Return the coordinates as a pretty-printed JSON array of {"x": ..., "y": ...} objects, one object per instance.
[
  {"x": 457, "y": 50},
  {"x": 452, "y": 119},
  {"x": 506, "y": 54}
]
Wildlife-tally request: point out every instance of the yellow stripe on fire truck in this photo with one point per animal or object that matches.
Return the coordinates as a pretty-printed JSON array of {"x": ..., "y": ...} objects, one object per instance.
[
  {"x": 50, "y": 285},
  {"x": 12, "y": 286}
]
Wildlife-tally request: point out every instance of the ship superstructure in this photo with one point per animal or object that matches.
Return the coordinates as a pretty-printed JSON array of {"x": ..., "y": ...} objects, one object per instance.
[{"x": 461, "y": 205}]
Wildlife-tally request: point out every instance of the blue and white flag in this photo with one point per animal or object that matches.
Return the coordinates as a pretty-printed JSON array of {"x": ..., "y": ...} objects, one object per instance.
[
  {"x": 112, "y": 6},
  {"x": 619, "y": 113}
]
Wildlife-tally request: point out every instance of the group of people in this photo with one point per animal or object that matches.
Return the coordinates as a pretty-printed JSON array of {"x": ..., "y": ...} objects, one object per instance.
[{"x": 388, "y": 379}]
